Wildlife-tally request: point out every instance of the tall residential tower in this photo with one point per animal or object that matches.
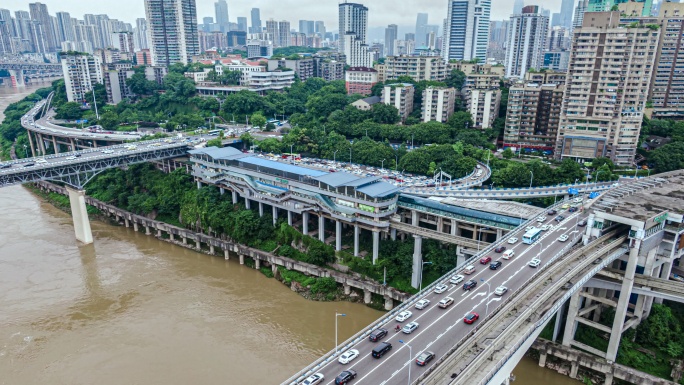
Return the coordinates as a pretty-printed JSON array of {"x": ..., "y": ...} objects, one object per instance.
[
  {"x": 466, "y": 30},
  {"x": 172, "y": 31},
  {"x": 526, "y": 41}
]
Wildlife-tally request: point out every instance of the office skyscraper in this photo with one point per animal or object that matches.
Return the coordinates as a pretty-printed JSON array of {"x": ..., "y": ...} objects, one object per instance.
[
  {"x": 526, "y": 41},
  {"x": 353, "y": 19},
  {"x": 518, "y": 6},
  {"x": 421, "y": 32},
  {"x": 390, "y": 36},
  {"x": 466, "y": 30},
  {"x": 242, "y": 24},
  {"x": 256, "y": 20},
  {"x": 606, "y": 91},
  {"x": 172, "y": 30},
  {"x": 566, "y": 13},
  {"x": 221, "y": 11},
  {"x": 320, "y": 28},
  {"x": 307, "y": 27}
]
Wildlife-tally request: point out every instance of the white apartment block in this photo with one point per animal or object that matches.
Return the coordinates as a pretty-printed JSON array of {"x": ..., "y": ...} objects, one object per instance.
[
  {"x": 527, "y": 33},
  {"x": 278, "y": 80},
  {"x": 438, "y": 104},
  {"x": 172, "y": 31},
  {"x": 357, "y": 52},
  {"x": 483, "y": 106},
  {"x": 353, "y": 18},
  {"x": 399, "y": 95},
  {"x": 81, "y": 72},
  {"x": 417, "y": 67},
  {"x": 606, "y": 91}
]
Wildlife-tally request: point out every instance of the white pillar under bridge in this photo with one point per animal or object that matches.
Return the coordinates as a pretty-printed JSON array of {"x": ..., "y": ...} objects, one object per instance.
[
  {"x": 17, "y": 79},
  {"x": 79, "y": 213}
]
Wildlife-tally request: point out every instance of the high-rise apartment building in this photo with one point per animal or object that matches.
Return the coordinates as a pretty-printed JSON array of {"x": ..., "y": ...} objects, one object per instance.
[
  {"x": 417, "y": 67},
  {"x": 259, "y": 48},
  {"x": 532, "y": 116},
  {"x": 255, "y": 14},
  {"x": 65, "y": 28},
  {"x": 438, "y": 104},
  {"x": 518, "y": 6},
  {"x": 483, "y": 105},
  {"x": 124, "y": 42},
  {"x": 390, "y": 37},
  {"x": 140, "y": 33},
  {"x": 172, "y": 30},
  {"x": 466, "y": 30},
  {"x": 566, "y": 13},
  {"x": 607, "y": 5},
  {"x": 399, "y": 95},
  {"x": 115, "y": 76},
  {"x": 356, "y": 52},
  {"x": 498, "y": 31},
  {"x": 242, "y": 24},
  {"x": 284, "y": 38},
  {"x": 221, "y": 12},
  {"x": 607, "y": 86},
  {"x": 667, "y": 82},
  {"x": 39, "y": 13},
  {"x": 320, "y": 29},
  {"x": 353, "y": 19},
  {"x": 578, "y": 16},
  {"x": 307, "y": 27},
  {"x": 81, "y": 73},
  {"x": 526, "y": 41},
  {"x": 421, "y": 32}
]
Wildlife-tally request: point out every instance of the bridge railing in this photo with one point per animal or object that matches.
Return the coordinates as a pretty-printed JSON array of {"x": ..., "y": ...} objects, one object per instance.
[{"x": 334, "y": 353}]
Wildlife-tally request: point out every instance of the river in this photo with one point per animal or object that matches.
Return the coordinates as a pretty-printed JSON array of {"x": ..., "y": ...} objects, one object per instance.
[{"x": 130, "y": 309}]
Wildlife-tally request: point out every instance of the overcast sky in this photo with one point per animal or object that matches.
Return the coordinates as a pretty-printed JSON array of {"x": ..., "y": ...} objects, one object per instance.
[{"x": 381, "y": 12}]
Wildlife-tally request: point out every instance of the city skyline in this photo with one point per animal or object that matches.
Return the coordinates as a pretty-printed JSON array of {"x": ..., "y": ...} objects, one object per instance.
[{"x": 380, "y": 13}]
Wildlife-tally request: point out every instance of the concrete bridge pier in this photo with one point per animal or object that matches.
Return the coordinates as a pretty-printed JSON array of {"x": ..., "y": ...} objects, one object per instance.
[
  {"x": 338, "y": 236},
  {"x": 257, "y": 263},
  {"x": 347, "y": 289},
  {"x": 321, "y": 228},
  {"x": 17, "y": 78},
  {"x": 609, "y": 379},
  {"x": 275, "y": 215},
  {"x": 171, "y": 236},
  {"x": 235, "y": 197},
  {"x": 417, "y": 261},
  {"x": 357, "y": 230},
  {"x": 79, "y": 214},
  {"x": 185, "y": 240},
  {"x": 127, "y": 222},
  {"x": 248, "y": 204},
  {"x": 261, "y": 209},
  {"x": 389, "y": 304},
  {"x": 242, "y": 259},
  {"x": 305, "y": 223},
  {"x": 211, "y": 249},
  {"x": 222, "y": 190},
  {"x": 135, "y": 226},
  {"x": 147, "y": 230},
  {"x": 542, "y": 358},
  {"x": 226, "y": 255},
  {"x": 289, "y": 218},
  {"x": 159, "y": 233},
  {"x": 366, "y": 296},
  {"x": 393, "y": 234},
  {"x": 376, "y": 245}
]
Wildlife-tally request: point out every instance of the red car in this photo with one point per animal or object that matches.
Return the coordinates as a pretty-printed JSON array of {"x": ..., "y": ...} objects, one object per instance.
[
  {"x": 470, "y": 318},
  {"x": 485, "y": 260}
]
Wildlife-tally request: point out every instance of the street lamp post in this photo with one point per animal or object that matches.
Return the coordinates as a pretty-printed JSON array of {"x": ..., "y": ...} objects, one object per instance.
[
  {"x": 410, "y": 358},
  {"x": 334, "y": 157},
  {"x": 291, "y": 154},
  {"x": 489, "y": 290},
  {"x": 382, "y": 165},
  {"x": 531, "y": 178},
  {"x": 421, "y": 275},
  {"x": 479, "y": 237},
  {"x": 396, "y": 162},
  {"x": 337, "y": 315}
]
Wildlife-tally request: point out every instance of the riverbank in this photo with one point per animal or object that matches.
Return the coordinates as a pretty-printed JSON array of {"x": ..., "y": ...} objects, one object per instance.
[{"x": 312, "y": 281}]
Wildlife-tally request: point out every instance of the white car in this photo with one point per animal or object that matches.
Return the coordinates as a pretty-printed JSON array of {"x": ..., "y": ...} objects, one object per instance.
[
  {"x": 546, "y": 227},
  {"x": 535, "y": 262},
  {"x": 528, "y": 228},
  {"x": 313, "y": 379},
  {"x": 441, "y": 288},
  {"x": 501, "y": 290},
  {"x": 41, "y": 160},
  {"x": 578, "y": 200},
  {"x": 512, "y": 240},
  {"x": 107, "y": 152},
  {"x": 422, "y": 304},
  {"x": 563, "y": 238},
  {"x": 403, "y": 316},
  {"x": 410, "y": 327},
  {"x": 70, "y": 157},
  {"x": 541, "y": 219},
  {"x": 348, "y": 356},
  {"x": 456, "y": 279}
]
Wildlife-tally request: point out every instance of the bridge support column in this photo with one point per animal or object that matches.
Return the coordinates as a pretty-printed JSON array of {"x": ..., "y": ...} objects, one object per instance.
[
  {"x": 275, "y": 215},
  {"x": 609, "y": 379},
  {"x": 366, "y": 296},
  {"x": 574, "y": 368},
  {"x": 417, "y": 261},
  {"x": 338, "y": 235},
  {"x": 347, "y": 289},
  {"x": 289, "y": 218},
  {"x": 542, "y": 358},
  {"x": 185, "y": 240},
  {"x": 33, "y": 149},
  {"x": 199, "y": 185},
  {"x": 393, "y": 234},
  {"x": 171, "y": 236},
  {"x": 261, "y": 209},
  {"x": 321, "y": 228},
  {"x": 222, "y": 190},
  {"x": 41, "y": 144},
  {"x": 226, "y": 255},
  {"x": 376, "y": 245},
  {"x": 454, "y": 226},
  {"x": 248, "y": 204},
  {"x": 211, "y": 249},
  {"x": 570, "y": 322},
  {"x": 389, "y": 304},
  {"x": 159, "y": 233},
  {"x": 499, "y": 234},
  {"x": 305, "y": 223},
  {"x": 257, "y": 263},
  {"x": 17, "y": 78},
  {"x": 79, "y": 214},
  {"x": 235, "y": 197},
  {"x": 54, "y": 143},
  {"x": 557, "y": 325},
  {"x": 135, "y": 226},
  {"x": 242, "y": 259},
  {"x": 623, "y": 302},
  {"x": 147, "y": 230},
  {"x": 73, "y": 145},
  {"x": 414, "y": 217},
  {"x": 357, "y": 230},
  {"x": 127, "y": 222}
]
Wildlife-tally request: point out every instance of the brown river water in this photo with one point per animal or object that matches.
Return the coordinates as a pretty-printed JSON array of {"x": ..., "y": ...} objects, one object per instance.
[{"x": 130, "y": 309}]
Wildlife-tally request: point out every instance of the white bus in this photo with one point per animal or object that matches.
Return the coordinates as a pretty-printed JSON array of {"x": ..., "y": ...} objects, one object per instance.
[{"x": 532, "y": 236}]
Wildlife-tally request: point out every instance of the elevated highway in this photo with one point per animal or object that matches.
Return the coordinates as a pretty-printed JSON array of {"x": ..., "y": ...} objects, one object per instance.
[{"x": 19, "y": 71}]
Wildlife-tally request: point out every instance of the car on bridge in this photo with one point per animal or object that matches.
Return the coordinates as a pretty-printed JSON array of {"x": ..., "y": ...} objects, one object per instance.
[
  {"x": 410, "y": 327},
  {"x": 512, "y": 240},
  {"x": 441, "y": 288},
  {"x": 403, "y": 316},
  {"x": 313, "y": 379},
  {"x": 377, "y": 334},
  {"x": 500, "y": 249},
  {"x": 546, "y": 227},
  {"x": 552, "y": 212},
  {"x": 495, "y": 265},
  {"x": 582, "y": 223},
  {"x": 424, "y": 358},
  {"x": 541, "y": 219},
  {"x": 471, "y": 318},
  {"x": 381, "y": 349},
  {"x": 572, "y": 209},
  {"x": 501, "y": 290},
  {"x": 422, "y": 304},
  {"x": 345, "y": 377},
  {"x": 563, "y": 238},
  {"x": 565, "y": 206},
  {"x": 469, "y": 285},
  {"x": 535, "y": 262},
  {"x": 456, "y": 279},
  {"x": 485, "y": 260},
  {"x": 348, "y": 356},
  {"x": 560, "y": 218},
  {"x": 446, "y": 302}
]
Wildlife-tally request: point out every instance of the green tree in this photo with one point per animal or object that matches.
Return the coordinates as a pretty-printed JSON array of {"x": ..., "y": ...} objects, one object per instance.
[
  {"x": 258, "y": 120},
  {"x": 139, "y": 84},
  {"x": 109, "y": 120},
  {"x": 508, "y": 153},
  {"x": 69, "y": 111},
  {"x": 100, "y": 95},
  {"x": 217, "y": 142},
  {"x": 456, "y": 79},
  {"x": 668, "y": 157},
  {"x": 461, "y": 121},
  {"x": 385, "y": 113}
]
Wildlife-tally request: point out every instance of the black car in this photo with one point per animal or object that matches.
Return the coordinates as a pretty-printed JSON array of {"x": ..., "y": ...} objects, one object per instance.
[
  {"x": 381, "y": 349},
  {"x": 469, "y": 285},
  {"x": 552, "y": 212},
  {"x": 495, "y": 265},
  {"x": 377, "y": 334},
  {"x": 79, "y": 155},
  {"x": 500, "y": 249},
  {"x": 29, "y": 164},
  {"x": 345, "y": 377},
  {"x": 424, "y": 358},
  {"x": 572, "y": 209},
  {"x": 582, "y": 223},
  {"x": 559, "y": 218},
  {"x": 8, "y": 165}
]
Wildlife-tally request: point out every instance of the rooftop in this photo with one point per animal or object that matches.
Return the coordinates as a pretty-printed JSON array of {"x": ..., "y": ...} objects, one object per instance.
[
  {"x": 508, "y": 208},
  {"x": 646, "y": 198}
]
